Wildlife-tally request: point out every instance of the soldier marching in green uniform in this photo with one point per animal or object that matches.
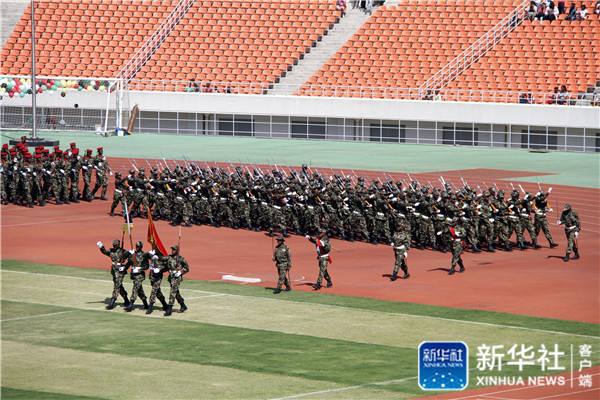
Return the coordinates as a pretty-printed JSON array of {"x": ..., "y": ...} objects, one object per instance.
[
  {"x": 401, "y": 244},
  {"x": 323, "y": 249},
  {"x": 540, "y": 220},
  {"x": 283, "y": 262},
  {"x": 570, "y": 220},
  {"x": 118, "y": 270},
  {"x": 177, "y": 267},
  {"x": 156, "y": 276},
  {"x": 138, "y": 262},
  {"x": 457, "y": 233}
]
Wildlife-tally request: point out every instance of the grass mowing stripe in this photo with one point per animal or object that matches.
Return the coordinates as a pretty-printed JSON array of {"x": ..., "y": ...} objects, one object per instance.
[
  {"x": 115, "y": 376},
  {"x": 245, "y": 349},
  {"x": 486, "y": 317},
  {"x": 8, "y": 393},
  {"x": 274, "y": 314}
]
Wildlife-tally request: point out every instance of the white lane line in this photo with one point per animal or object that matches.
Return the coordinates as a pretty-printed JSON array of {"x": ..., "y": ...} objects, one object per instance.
[
  {"x": 346, "y": 308},
  {"x": 204, "y": 297},
  {"x": 37, "y": 316}
]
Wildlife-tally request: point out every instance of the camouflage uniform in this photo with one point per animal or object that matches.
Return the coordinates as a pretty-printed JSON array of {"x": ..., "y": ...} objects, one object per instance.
[
  {"x": 102, "y": 175},
  {"x": 457, "y": 234},
  {"x": 118, "y": 270},
  {"x": 138, "y": 262},
  {"x": 540, "y": 221},
  {"x": 156, "y": 275},
  {"x": 323, "y": 249},
  {"x": 570, "y": 220},
  {"x": 401, "y": 244},
  {"x": 177, "y": 267},
  {"x": 283, "y": 262}
]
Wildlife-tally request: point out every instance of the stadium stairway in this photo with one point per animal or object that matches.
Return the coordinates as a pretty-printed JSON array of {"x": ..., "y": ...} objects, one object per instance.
[
  {"x": 10, "y": 12},
  {"x": 324, "y": 50}
]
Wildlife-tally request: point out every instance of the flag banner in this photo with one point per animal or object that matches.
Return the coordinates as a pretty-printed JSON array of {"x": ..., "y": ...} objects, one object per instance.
[{"x": 153, "y": 237}]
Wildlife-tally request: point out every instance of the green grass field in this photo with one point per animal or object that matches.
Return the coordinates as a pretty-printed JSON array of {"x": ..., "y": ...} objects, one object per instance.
[{"x": 234, "y": 342}]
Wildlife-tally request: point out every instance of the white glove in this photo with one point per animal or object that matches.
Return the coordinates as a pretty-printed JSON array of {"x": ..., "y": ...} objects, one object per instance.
[
  {"x": 177, "y": 274},
  {"x": 100, "y": 245},
  {"x": 121, "y": 269},
  {"x": 439, "y": 233},
  {"x": 392, "y": 244},
  {"x": 550, "y": 210},
  {"x": 549, "y": 190},
  {"x": 576, "y": 235},
  {"x": 558, "y": 222},
  {"x": 307, "y": 236},
  {"x": 155, "y": 257},
  {"x": 406, "y": 254},
  {"x": 156, "y": 270},
  {"x": 136, "y": 270},
  {"x": 152, "y": 252},
  {"x": 131, "y": 251}
]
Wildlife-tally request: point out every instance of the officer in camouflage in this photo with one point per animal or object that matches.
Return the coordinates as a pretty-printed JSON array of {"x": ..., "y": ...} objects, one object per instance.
[
  {"x": 323, "y": 249},
  {"x": 457, "y": 234},
  {"x": 177, "y": 267},
  {"x": 157, "y": 270},
  {"x": 570, "y": 220},
  {"x": 118, "y": 270},
  {"x": 401, "y": 244},
  {"x": 283, "y": 262}
]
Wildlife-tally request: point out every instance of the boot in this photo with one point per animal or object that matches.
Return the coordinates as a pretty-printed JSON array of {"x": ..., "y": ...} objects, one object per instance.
[
  {"x": 566, "y": 258},
  {"x": 285, "y": 233},
  {"x": 111, "y": 304},
  {"x": 168, "y": 311},
  {"x": 127, "y": 303},
  {"x": 535, "y": 245},
  {"x": 521, "y": 246},
  {"x": 112, "y": 212},
  {"x": 476, "y": 249},
  {"x": 164, "y": 303},
  {"x": 316, "y": 286},
  {"x": 553, "y": 245},
  {"x": 406, "y": 275},
  {"x": 276, "y": 291},
  {"x": 491, "y": 248},
  {"x": 288, "y": 288},
  {"x": 183, "y": 307},
  {"x": 576, "y": 254},
  {"x": 150, "y": 308},
  {"x": 452, "y": 271},
  {"x": 129, "y": 308},
  {"x": 508, "y": 247},
  {"x": 393, "y": 277},
  {"x": 145, "y": 302},
  {"x": 462, "y": 267},
  {"x": 329, "y": 284}
]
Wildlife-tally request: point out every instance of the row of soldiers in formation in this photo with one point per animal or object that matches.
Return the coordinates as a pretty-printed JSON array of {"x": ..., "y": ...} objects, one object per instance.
[
  {"x": 349, "y": 208},
  {"x": 136, "y": 262},
  {"x": 34, "y": 179}
]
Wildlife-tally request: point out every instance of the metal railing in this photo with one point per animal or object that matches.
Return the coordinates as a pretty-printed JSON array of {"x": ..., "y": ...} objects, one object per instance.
[
  {"x": 151, "y": 45},
  {"x": 361, "y": 92},
  {"x": 475, "y": 51}
]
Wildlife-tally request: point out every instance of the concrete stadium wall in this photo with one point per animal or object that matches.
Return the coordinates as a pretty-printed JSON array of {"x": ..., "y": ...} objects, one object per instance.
[{"x": 377, "y": 109}]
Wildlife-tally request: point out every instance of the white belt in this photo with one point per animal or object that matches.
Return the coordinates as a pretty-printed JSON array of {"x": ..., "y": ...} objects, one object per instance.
[
  {"x": 512, "y": 217},
  {"x": 118, "y": 191},
  {"x": 380, "y": 214},
  {"x": 491, "y": 219},
  {"x": 263, "y": 203},
  {"x": 525, "y": 215},
  {"x": 417, "y": 214},
  {"x": 324, "y": 255},
  {"x": 457, "y": 240},
  {"x": 179, "y": 198},
  {"x": 277, "y": 207},
  {"x": 400, "y": 248},
  {"x": 425, "y": 217}
]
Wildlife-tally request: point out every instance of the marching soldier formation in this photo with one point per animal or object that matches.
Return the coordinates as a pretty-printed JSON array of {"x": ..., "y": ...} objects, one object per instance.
[
  {"x": 347, "y": 208},
  {"x": 138, "y": 262},
  {"x": 35, "y": 179}
]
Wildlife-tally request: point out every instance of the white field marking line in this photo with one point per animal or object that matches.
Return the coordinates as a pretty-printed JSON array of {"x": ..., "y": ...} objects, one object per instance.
[
  {"x": 345, "y": 308},
  {"x": 37, "y": 316},
  {"x": 208, "y": 295},
  {"x": 60, "y": 290},
  {"x": 514, "y": 390},
  {"x": 568, "y": 394},
  {"x": 343, "y": 389},
  {"x": 68, "y": 220}
]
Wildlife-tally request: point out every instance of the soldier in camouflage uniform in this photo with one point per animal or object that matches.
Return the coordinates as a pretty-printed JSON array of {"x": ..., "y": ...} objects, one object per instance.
[
  {"x": 525, "y": 216},
  {"x": 570, "y": 220},
  {"x": 118, "y": 270},
  {"x": 157, "y": 270},
  {"x": 283, "y": 262},
  {"x": 323, "y": 249},
  {"x": 87, "y": 166},
  {"x": 540, "y": 221},
  {"x": 457, "y": 234},
  {"x": 177, "y": 267},
  {"x": 514, "y": 220},
  {"x": 74, "y": 165},
  {"x": 102, "y": 174},
  {"x": 138, "y": 262},
  {"x": 401, "y": 244}
]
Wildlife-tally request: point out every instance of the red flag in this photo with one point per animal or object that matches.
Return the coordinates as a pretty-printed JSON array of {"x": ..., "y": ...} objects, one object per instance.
[
  {"x": 453, "y": 232},
  {"x": 153, "y": 238}
]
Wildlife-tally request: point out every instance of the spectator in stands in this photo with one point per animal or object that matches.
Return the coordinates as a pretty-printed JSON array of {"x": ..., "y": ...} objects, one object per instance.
[
  {"x": 563, "y": 95},
  {"x": 341, "y": 6},
  {"x": 208, "y": 88},
  {"x": 532, "y": 11},
  {"x": 428, "y": 95},
  {"x": 541, "y": 12},
  {"x": 437, "y": 96},
  {"x": 561, "y": 7},
  {"x": 552, "y": 12},
  {"x": 582, "y": 13},
  {"x": 525, "y": 98},
  {"x": 193, "y": 86},
  {"x": 572, "y": 15},
  {"x": 553, "y": 97}
]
